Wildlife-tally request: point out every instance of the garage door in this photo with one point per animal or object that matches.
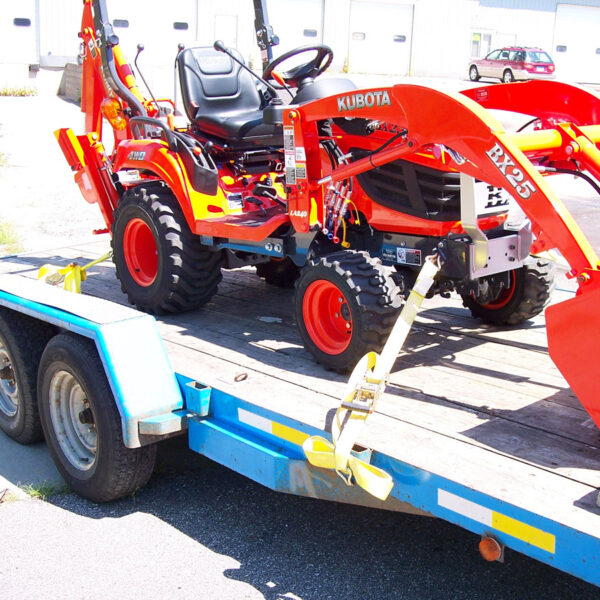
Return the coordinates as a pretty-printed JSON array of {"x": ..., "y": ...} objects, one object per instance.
[
  {"x": 60, "y": 22},
  {"x": 160, "y": 31},
  {"x": 576, "y": 49},
  {"x": 296, "y": 22},
  {"x": 380, "y": 37},
  {"x": 18, "y": 33}
]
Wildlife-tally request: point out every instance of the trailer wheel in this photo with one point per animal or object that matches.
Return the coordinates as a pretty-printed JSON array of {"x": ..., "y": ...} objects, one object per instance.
[
  {"x": 280, "y": 272},
  {"x": 82, "y": 425},
  {"x": 526, "y": 296},
  {"x": 162, "y": 266},
  {"x": 22, "y": 340},
  {"x": 346, "y": 305}
]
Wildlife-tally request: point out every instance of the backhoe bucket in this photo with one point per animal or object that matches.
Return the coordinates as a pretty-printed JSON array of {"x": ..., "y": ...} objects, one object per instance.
[{"x": 573, "y": 329}]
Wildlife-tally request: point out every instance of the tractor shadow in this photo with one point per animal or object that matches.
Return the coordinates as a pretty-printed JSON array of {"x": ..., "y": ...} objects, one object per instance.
[{"x": 495, "y": 387}]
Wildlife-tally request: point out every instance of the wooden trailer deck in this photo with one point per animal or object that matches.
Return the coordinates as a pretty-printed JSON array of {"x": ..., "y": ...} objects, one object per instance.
[{"x": 481, "y": 405}]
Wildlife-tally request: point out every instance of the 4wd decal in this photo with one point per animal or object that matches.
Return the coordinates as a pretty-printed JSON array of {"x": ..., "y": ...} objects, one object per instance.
[
  {"x": 137, "y": 155},
  {"x": 513, "y": 175},
  {"x": 366, "y": 100}
]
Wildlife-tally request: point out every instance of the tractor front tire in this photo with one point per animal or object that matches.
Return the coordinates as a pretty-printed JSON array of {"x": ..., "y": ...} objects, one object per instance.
[
  {"x": 82, "y": 424},
  {"x": 162, "y": 266},
  {"x": 280, "y": 272},
  {"x": 527, "y": 295},
  {"x": 346, "y": 304}
]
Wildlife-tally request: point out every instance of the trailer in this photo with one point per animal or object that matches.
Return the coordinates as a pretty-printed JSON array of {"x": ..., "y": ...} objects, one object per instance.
[{"x": 477, "y": 426}]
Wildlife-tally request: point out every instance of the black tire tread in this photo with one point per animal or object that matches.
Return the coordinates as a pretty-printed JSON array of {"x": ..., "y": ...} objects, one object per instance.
[
  {"x": 26, "y": 338},
  {"x": 538, "y": 284},
  {"x": 121, "y": 470},
  {"x": 192, "y": 271},
  {"x": 377, "y": 296}
]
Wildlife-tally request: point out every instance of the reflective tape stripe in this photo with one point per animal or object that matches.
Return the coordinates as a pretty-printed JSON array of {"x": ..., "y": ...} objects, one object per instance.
[
  {"x": 491, "y": 518},
  {"x": 522, "y": 531},
  {"x": 284, "y": 432},
  {"x": 287, "y": 433}
]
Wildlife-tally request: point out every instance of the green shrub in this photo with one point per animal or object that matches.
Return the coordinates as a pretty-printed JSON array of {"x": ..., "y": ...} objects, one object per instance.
[
  {"x": 9, "y": 241},
  {"x": 18, "y": 91}
]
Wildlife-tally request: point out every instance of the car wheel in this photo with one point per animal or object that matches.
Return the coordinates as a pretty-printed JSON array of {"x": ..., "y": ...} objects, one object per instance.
[
  {"x": 474, "y": 73},
  {"x": 508, "y": 76}
]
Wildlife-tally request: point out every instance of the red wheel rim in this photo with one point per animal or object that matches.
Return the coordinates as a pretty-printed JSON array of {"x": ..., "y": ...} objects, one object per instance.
[
  {"x": 327, "y": 317},
  {"x": 505, "y": 296},
  {"x": 141, "y": 254}
]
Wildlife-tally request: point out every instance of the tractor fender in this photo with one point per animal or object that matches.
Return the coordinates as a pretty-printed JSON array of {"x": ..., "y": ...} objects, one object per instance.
[{"x": 155, "y": 157}]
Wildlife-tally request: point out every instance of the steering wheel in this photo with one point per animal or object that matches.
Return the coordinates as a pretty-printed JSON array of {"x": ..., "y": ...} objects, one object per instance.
[{"x": 308, "y": 70}]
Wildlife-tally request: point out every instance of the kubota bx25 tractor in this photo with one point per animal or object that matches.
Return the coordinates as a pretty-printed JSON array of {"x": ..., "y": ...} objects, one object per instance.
[{"x": 342, "y": 191}]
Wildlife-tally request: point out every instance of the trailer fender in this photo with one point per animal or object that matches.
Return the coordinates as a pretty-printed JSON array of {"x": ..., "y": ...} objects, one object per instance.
[{"x": 130, "y": 348}]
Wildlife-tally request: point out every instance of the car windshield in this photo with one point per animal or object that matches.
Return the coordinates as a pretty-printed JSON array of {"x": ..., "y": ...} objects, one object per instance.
[{"x": 538, "y": 57}]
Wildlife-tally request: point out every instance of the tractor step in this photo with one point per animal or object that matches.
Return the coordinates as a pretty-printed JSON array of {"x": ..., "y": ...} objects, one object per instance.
[{"x": 252, "y": 226}]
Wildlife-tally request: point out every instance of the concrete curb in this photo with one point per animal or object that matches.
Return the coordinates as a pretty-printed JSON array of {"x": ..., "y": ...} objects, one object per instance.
[{"x": 25, "y": 465}]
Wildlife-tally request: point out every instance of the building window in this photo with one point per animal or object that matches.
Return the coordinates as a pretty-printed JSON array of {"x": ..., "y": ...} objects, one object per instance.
[
  {"x": 481, "y": 44},
  {"x": 180, "y": 25},
  {"x": 561, "y": 48},
  {"x": 400, "y": 38},
  {"x": 310, "y": 33},
  {"x": 22, "y": 22},
  {"x": 124, "y": 23}
]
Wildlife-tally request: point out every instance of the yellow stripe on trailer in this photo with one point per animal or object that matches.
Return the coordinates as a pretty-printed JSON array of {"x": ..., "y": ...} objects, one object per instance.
[
  {"x": 289, "y": 434},
  {"x": 491, "y": 518},
  {"x": 522, "y": 531}
]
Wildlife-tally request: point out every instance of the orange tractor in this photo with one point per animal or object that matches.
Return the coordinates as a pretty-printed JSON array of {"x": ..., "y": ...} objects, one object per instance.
[{"x": 342, "y": 192}]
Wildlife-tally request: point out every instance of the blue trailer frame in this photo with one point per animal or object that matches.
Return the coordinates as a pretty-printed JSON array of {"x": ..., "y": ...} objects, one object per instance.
[{"x": 267, "y": 446}]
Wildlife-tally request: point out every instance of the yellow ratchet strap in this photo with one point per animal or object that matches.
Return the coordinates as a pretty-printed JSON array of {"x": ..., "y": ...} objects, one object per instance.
[
  {"x": 69, "y": 277},
  {"x": 366, "y": 384}
]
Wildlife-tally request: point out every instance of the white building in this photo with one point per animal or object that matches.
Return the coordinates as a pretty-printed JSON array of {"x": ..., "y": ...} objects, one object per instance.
[{"x": 419, "y": 37}]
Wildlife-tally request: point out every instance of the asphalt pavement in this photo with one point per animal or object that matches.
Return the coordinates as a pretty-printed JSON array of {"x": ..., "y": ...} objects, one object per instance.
[{"x": 201, "y": 531}]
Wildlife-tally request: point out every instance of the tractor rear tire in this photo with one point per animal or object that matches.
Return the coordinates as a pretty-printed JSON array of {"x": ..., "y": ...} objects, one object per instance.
[
  {"x": 162, "y": 266},
  {"x": 530, "y": 288},
  {"x": 82, "y": 424},
  {"x": 346, "y": 304},
  {"x": 282, "y": 273},
  {"x": 22, "y": 340}
]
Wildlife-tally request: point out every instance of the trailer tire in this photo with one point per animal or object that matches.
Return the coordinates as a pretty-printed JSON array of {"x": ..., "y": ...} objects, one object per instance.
[
  {"x": 22, "y": 340},
  {"x": 528, "y": 295},
  {"x": 280, "y": 272},
  {"x": 82, "y": 425},
  {"x": 368, "y": 301},
  {"x": 162, "y": 266}
]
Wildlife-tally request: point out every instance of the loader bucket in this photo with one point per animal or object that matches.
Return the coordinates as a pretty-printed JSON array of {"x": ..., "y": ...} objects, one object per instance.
[{"x": 573, "y": 329}]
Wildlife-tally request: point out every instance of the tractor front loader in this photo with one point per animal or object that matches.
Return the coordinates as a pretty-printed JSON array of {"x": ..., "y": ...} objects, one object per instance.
[{"x": 343, "y": 192}]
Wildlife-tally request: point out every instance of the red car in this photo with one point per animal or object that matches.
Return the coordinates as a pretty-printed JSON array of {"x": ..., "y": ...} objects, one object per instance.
[{"x": 512, "y": 64}]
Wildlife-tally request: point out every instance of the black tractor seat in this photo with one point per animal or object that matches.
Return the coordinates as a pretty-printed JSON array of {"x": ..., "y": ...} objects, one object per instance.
[{"x": 222, "y": 100}]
